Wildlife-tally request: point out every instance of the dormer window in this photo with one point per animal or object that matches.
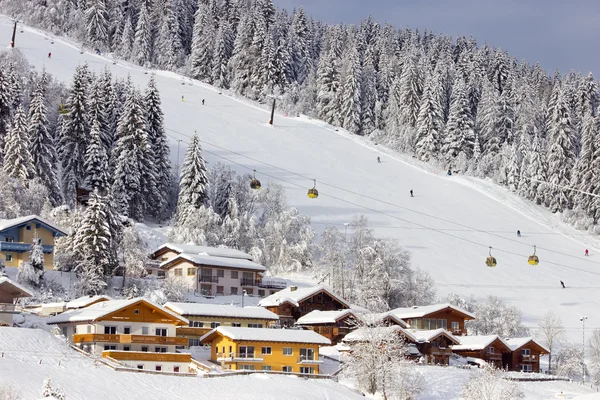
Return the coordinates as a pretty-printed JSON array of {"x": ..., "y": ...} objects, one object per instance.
[{"x": 28, "y": 227}]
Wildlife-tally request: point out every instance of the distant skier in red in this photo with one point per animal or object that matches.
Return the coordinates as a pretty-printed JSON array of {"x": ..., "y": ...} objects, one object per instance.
[
  {"x": 49, "y": 55},
  {"x": 587, "y": 253}
]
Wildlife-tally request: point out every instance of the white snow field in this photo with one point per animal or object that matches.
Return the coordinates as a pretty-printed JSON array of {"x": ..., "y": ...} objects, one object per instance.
[
  {"x": 447, "y": 226},
  {"x": 32, "y": 355}
]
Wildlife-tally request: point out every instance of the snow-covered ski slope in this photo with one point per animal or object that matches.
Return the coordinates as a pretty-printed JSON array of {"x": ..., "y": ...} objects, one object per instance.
[{"x": 447, "y": 226}]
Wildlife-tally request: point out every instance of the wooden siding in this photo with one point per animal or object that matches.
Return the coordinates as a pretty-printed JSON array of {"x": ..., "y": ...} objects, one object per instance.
[
  {"x": 147, "y": 356},
  {"x": 144, "y": 339}
]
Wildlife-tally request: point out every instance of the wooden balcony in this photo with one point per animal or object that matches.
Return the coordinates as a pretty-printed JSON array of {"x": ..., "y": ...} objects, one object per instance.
[
  {"x": 188, "y": 331},
  {"x": 440, "y": 351},
  {"x": 493, "y": 356},
  {"x": 127, "y": 339},
  {"x": 146, "y": 356},
  {"x": 239, "y": 357},
  {"x": 529, "y": 358}
]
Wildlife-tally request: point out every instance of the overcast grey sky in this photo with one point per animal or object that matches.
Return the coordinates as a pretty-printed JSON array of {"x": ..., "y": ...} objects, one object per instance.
[{"x": 563, "y": 34}]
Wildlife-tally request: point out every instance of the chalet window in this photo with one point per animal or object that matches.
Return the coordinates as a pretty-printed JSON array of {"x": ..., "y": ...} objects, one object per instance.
[
  {"x": 307, "y": 370},
  {"x": 441, "y": 324},
  {"x": 140, "y": 366},
  {"x": 455, "y": 326},
  {"x": 176, "y": 369},
  {"x": 110, "y": 330},
  {"x": 246, "y": 352},
  {"x": 255, "y": 325},
  {"x": 110, "y": 347},
  {"x": 127, "y": 330},
  {"x": 526, "y": 368},
  {"x": 214, "y": 325},
  {"x": 261, "y": 292},
  {"x": 177, "y": 272},
  {"x": 28, "y": 227},
  {"x": 249, "y": 291},
  {"x": 9, "y": 239},
  {"x": 161, "y": 273},
  {"x": 307, "y": 354},
  {"x": 161, "y": 331},
  {"x": 247, "y": 367},
  {"x": 266, "y": 368},
  {"x": 287, "y": 369},
  {"x": 160, "y": 349},
  {"x": 126, "y": 348},
  {"x": 136, "y": 311},
  {"x": 288, "y": 351},
  {"x": 9, "y": 258},
  {"x": 234, "y": 275},
  {"x": 266, "y": 350},
  {"x": 220, "y": 290},
  {"x": 490, "y": 350},
  {"x": 526, "y": 352},
  {"x": 144, "y": 348},
  {"x": 234, "y": 290},
  {"x": 191, "y": 271},
  {"x": 158, "y": 368},
  {"x": 221, "y": 273},
  {"x": 194, "y": 342},
  {"x": 196, "y": 324},
  {"x": 236, "y": 324},
  {"x": 144, "y": 330}
]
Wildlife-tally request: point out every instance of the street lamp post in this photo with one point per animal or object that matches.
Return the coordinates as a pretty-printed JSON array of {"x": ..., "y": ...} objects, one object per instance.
[
  {"x": 243, "y": 295},
  {"x": 582, "y": 319},
  {"x": 12, "y": 42},
  {"x": 346, "y": 225}
]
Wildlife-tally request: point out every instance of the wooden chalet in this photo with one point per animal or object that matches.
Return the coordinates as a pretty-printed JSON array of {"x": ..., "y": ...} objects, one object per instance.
[
  {"x": 292, "y": 303},
  {"x": 334, "y": 325},
  {"x": 490, "y": 348},
  {"x": 525, "y": 355},
  {"x": 437, "y": 316}
]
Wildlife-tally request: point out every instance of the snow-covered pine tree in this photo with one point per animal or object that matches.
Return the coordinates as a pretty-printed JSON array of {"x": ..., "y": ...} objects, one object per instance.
[
  {"x": 18, "y": 162},
  {"x": 111, "y": 109},
  {"x": 129, "y": 158},
  {"x": 328, "y": 87},
  {"x": 192, "y": 185},
  {"x": 561, "y": 158},
  {"x": 350, "y": 112},
  {"x": 299, "y": 38},
  {"x": 169, "y": 48},
  {"x": 96, "y": 23},
  {"x": 460, "y": 137},
  {"x": 203, "y": 43},
  {"x": 75, "y": 134},
  {"x": 429, "y": 121},
  {"x": 592, "y": 204},
  {"x": 142, "y": 44},
  {"x": 411, "y": 88},
  {"x": 583, "y": 174},
  {"x": 31, "y": 271},
  {"x": 368, "y": 87},
  {"x": 158, "y": 152},
  {"x": 222, "y": 53},
  {"x": 504, "y": 117},
  {"x": 486, "y": 116},
  {"x": 96, "y": 162},
  {"x": 98, "y": 110},
  {"x": 537, "y": 172},
  {"x": 42, "y": 147},
  {"x": 5, "y": 107},
  {"x": 127, "y": 39}
]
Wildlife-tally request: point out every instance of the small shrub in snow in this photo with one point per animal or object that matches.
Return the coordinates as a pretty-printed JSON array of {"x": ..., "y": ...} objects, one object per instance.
[
  {"x": 49, "y": 391},
  {"x": 487, "y": 384},
  {"x": 9, "y": 392}
]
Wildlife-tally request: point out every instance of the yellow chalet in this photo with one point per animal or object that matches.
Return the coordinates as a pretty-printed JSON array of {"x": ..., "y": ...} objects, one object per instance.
[
  {"x": 16, "y": 238},
  {"x": 136, "y": 333},
  {"x": 283, "y": 350},
  {"x": 205, "y": 317}
]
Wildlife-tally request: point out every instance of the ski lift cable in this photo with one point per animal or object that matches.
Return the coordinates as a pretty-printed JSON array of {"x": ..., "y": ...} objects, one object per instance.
[
  {"x": 404, "y": 220},
  {"x": 491, "y": 233}
]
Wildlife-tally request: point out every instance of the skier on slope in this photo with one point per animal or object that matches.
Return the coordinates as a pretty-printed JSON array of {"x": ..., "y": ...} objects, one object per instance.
[
  {"x": 563, "y": 284},
  {"x": 378, "y": 159},
  {"x": 518, "y": 233},
  {"x": 182, "y": 98},
  {"x": 202, "y": 101},
  {"x": 49, "y": 55},
  {"x": 411, "y": 193},
  {"x": 587, "y": 253}
]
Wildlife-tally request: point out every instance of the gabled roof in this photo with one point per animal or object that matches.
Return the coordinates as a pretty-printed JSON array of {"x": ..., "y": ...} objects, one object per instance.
[
  {"x": 219, "y": 310},
  {"x": 428, "y": 336},
  {"x": 85, "y": 301},
  {"x": 515, "y": 344},
  {"x": 7, "y": 224},
  {"x": 105, "y": 308},
  {"x": 13, "y": 288},
  {"x": 324, "y": 317},
  {"x": 423, "y": 311},
  {"x": 295, "y": 297},
  {"x": 478, "y": 342},
  {"x": 388, "y": 315},
  {"x": 365, "y": 334},
  {"x": 225, "y": 262},
  {"x": 267, "y": 335},
  {"x": 205, "y": 250}
]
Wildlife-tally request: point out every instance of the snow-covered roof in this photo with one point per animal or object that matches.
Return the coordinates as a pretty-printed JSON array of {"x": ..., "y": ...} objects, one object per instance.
[
  {"x": 517, "y": 343},
  {"x": 103, "y": 308},
  {"x": 269, "y": 335},
  {"x": 12, "y": 287},
  {"x": 210, "y": 251},
  {"x": 295, "y": 296},
  {"x": 429, "y": 335},
  {"x": 379, "y": 317},
  {"x": 422, "y": 311},
  {"x": 366, "y": 334},
  {"x": 216, "y": 261},
  {"x": 219, "y": 310},
  {"x": 85, "y": 301},
  {"x": 324, "y": 317},
  {"x": 15, "y": 222},
  {"x": 477, "y": 342}
]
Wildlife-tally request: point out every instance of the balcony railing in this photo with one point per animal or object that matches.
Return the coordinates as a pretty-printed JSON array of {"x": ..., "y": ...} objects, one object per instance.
[
  {"x": 235, "y": 357},
  {"x": 271, "y": 284},
  {"x": 309, "y": 360},
  {"x": 9, "y": 308},
  {"x": 23, "y": 247},
  {"x": 441, "y": 350},
  {"x": 145, "y": 356},
  {"x": 208, "y": 279},
  {"x": 249, "y": 282},
  {"x": 529, "y": 358},
  {"x": 127, "y": 339},
  {"x": 192, "y": 331}
]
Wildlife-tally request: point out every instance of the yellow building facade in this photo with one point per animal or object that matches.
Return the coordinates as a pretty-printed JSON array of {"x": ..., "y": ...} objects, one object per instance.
[
  {"x": 281, "y": 350},
  {"x": 17, "y": 235}
]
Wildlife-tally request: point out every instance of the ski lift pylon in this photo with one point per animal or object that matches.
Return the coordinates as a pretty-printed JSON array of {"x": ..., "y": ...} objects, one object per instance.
[{"x": 490, "y": 261}]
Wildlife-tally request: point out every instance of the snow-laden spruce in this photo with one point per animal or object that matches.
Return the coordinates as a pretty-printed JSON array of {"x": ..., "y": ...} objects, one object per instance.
[
  {"x": 193, "y": 182},
  {"x": 18, "y": 162}
]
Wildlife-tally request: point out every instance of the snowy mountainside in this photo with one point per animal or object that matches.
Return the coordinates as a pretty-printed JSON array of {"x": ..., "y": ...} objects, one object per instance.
[{"x": 447, "y": 226}]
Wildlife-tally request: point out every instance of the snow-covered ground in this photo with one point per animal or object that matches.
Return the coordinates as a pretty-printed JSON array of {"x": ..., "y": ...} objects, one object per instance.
[{"x": 447, "y": 226}]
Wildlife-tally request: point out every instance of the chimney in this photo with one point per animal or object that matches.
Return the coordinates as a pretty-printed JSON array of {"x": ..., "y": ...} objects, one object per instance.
[{"x": 293, "y": 288}]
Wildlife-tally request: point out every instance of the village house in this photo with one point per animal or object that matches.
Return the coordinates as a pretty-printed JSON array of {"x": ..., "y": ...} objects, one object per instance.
[
  {"x": 333, "y": 325},
  {"x": 205, "y": 317},
  {"x": 213, "y": 271},
  {"x": 16, "y": 239},
  {"x": 436, "y": 316},
  {"x": 490, "y": 348},
  {"x": 49, "y": 309},
  {"x": 294, "y": 302},
  {"x": 10, "y": 292},
  {"x": 136, "y": 332},
  {"x": 525, "y": 354},
  {"x": 285, "y": 350}
]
